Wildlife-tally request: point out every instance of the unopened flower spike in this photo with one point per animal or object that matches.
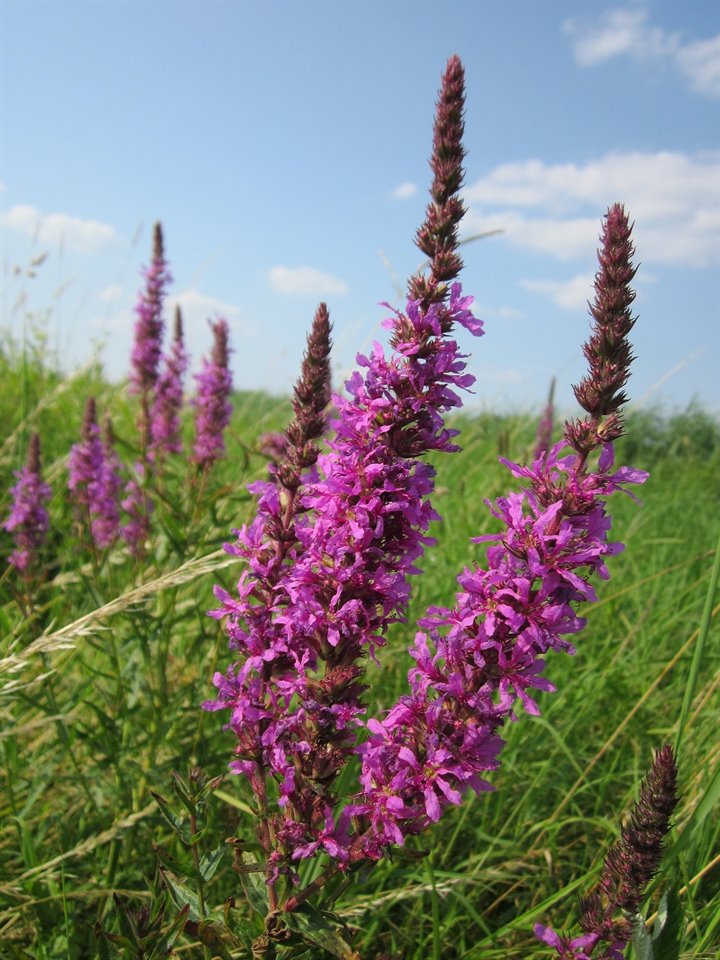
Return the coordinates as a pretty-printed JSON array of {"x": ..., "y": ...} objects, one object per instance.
[
  {"x": 630, "y": 865},
  {"x": 608, "y": 350},
  {"x": 28, "y": 521}
]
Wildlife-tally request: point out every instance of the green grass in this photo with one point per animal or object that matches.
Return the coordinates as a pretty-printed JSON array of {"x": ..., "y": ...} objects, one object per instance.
[{"x": 99, "y": 713}]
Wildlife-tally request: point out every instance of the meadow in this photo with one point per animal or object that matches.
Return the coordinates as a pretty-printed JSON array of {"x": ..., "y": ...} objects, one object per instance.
[
  {"x": 104, "y": 708},
  {"x": 124, "y": 835}
]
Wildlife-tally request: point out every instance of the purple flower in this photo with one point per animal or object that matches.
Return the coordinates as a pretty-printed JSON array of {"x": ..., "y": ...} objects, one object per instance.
[
  {"x": 480, "y": 657},
  {"x": 138, "y": 506},
  {"x": 147, "y": 346},
  {"x": 28, "y": 521},
  {"x": 95, "y": 481},
  {"x": 212, "y": 400},
  {"x": 165, "y": 415},
  {"x": 567, "y": 949},
  {"x": 543, "y": 440},
  {"x": 329, "y": 561}
]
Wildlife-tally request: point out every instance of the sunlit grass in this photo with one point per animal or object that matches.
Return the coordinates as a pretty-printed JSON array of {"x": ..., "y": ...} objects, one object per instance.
[{"x": 101, "y": 688}]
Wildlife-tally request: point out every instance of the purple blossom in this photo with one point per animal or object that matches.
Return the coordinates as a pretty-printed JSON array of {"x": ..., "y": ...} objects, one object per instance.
[
  {"x": 138, "y": 506},
  {"x": 212, "y": 400},
  {"x": 147, "y": 346},
  {"x": 28, "y": 521},
  {"x": 165, "y": 428},
  {"x": 479, "y": 659},
  {"x": 543, "y": 440},
  {"x": 345, "y": 580},
  {"x": 95, "y": 482}
]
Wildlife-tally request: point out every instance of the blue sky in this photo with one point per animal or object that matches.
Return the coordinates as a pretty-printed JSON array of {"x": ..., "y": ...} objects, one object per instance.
[{"x": 284, "y": 148}]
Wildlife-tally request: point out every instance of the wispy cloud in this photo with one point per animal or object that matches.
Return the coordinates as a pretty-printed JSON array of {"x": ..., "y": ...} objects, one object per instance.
[
  {"x": 625, "y": 31},
  {"x": 58, "y": 229},
  {"x": 570, "y": 294},
  {"x": 112, "y": 293},
  {"x": 306, "y": 281},
  {"x": 403, "y": 191},
  {"x": 556, "y": 209}
]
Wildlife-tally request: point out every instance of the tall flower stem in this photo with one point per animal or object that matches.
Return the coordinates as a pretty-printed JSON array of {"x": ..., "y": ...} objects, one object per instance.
[
  {"x": 147, "y": 346},
  {"x": 317, "y": 599}
]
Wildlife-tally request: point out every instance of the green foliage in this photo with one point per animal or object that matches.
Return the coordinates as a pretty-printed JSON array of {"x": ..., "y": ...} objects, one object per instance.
[{"x": 105, "y": 850}]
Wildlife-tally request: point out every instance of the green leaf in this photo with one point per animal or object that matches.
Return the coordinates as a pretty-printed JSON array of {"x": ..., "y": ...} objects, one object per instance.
[
  {"x": 321, "y": 928},
  {"x": 666, "y": 932},
  {"x": 177, "y": 823},
  {"x": 642, "y": 940},
  {"x": 182, "y": 895},
  {"x": 252, "y": 878},
  {"x": 211, "y": 861}
]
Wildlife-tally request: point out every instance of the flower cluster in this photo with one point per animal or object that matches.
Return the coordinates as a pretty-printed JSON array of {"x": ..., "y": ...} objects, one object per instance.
[
  {"x": 94, "y": 480},
  {"x": 212, "y": 400},
  {"x": 165, "y": 436},
  {"x": 319, "y": 595},
  {"x": 149, "y": 328},
  {"x": 543, "y": 439},
  {"x": 28, "y": 521},
  {"x": 479, "y": 659},
  {"x": 628, "y": 868},
  {"x": 337, "y": 537},
  {"x": 147, "y": 345},
  {"x": 138, "y": 506}
]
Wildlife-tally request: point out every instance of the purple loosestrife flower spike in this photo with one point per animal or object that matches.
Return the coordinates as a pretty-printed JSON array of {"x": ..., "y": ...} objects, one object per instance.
[
  {"x": 147, "y": 346},
  {"x": 543, "y": 440},
  {"x": 212, "y": 401},
  {"x": 630, "y": 865},
  {"x": 165, "y": 417},
  {"x": 28, "y": 521},
  {"x": 303, "y": 633},
  {"x": 94, "y": 481},
  {"x": 608, "y": 351},
  {"x": 138, "y": 506},
  {"x": 106, "y": 522},
  {"x": 481, "y": 658}
]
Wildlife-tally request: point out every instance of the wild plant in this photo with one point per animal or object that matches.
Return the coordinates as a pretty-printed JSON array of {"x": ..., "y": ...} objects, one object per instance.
[{"x": 338, "y": 534}]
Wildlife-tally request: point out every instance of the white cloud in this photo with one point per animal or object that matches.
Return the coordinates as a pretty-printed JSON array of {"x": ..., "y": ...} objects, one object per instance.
[
  {"x": 112, "y": 293},
  {"x": 700, "y": 63},
  {"x": 569, "y": 294},
  {"x": 404, "y": 191},
  {"x": 306, "y": 281},
  {"x": 59, "y": 229},
  {"x": 556, "y": 209},
  {"x": 626, "y": 32}
]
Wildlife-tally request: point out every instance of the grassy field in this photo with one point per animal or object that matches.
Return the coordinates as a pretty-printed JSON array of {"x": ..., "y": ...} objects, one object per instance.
[{"x": 102, "y": 683}]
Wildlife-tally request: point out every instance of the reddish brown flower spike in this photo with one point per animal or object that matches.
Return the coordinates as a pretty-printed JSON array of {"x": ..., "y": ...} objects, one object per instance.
[{"x": 438, "y": 235}]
